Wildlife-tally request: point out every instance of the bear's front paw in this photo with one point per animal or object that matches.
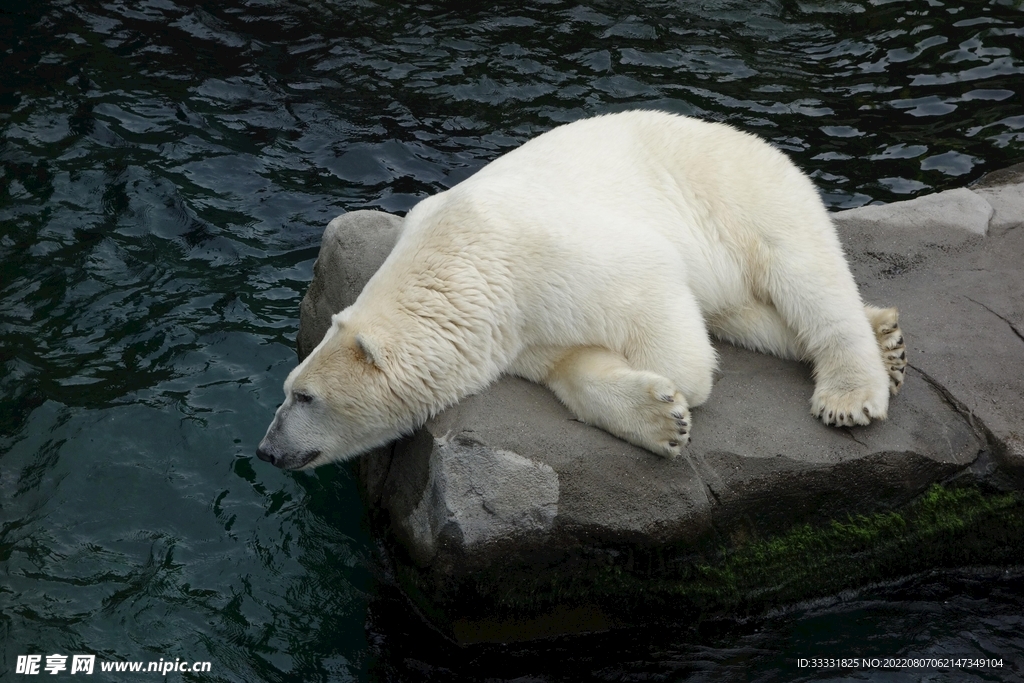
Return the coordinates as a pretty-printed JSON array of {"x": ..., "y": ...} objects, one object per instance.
[
  {"x": 674, "y": 427},
  {"x": 661, "y": 421},
  {"x": 849, "y": 408},
  {"x": 640, "y": 407}
]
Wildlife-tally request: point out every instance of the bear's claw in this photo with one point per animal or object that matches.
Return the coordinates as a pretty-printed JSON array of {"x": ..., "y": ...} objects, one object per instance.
[{"x": 892, "y": 345}]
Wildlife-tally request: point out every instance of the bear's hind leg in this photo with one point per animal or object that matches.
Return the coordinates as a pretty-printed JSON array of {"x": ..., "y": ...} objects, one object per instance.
[
  {"x": 811, "y": 286},
  {"x": 758, "y": 327},
  {"x": 603, "y": 390},
  {"x": 885, "y": 322}
]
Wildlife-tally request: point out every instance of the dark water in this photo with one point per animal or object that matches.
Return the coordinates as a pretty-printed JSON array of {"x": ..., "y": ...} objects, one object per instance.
[{"x": 166, "y": 169}]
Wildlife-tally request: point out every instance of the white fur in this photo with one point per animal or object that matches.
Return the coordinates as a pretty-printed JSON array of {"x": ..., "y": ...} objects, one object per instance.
[{"x": 594, "y": 259}]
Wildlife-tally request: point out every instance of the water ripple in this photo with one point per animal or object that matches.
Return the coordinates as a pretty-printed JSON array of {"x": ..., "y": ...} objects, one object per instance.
[{"x": 166, "y": 170}]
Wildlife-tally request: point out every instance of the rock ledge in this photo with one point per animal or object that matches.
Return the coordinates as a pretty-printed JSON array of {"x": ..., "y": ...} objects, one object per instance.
[{"x": 507, "y": 519}]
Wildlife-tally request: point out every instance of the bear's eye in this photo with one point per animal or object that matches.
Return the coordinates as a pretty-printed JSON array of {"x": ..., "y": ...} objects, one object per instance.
[{"x": 302, "y": 398}]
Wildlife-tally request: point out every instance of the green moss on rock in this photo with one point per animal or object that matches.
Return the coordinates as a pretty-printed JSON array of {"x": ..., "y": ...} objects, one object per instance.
[{"x": 945, "y": 527}]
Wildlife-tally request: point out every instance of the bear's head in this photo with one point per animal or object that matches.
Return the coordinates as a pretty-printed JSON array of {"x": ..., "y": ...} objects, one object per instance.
[{"x": 339, "y": 402}]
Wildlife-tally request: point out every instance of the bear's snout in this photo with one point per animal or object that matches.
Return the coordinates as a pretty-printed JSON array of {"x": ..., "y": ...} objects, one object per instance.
[
  {"x": 267, "y": 457},
  {"x": 286, "y": 461}
]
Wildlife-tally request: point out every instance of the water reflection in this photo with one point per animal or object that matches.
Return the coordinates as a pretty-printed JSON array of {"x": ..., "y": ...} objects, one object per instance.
[{"x": 971, "y": 614}]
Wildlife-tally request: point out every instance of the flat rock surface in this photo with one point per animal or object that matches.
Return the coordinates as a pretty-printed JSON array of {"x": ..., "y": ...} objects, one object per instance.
[
  {"x": 510, "y": 468},
  {"x": 961, "y": 297}
]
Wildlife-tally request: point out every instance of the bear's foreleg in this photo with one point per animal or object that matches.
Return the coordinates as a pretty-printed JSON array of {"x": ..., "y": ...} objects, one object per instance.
[{"x": 603, "y": 390}]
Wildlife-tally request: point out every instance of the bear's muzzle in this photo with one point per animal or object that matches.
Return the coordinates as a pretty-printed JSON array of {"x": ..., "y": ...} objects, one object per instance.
[{"x": 285, "y": 461}]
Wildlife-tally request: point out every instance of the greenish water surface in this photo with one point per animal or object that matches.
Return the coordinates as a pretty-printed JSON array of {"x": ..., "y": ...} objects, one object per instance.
[{"x": 166, "y": 169}]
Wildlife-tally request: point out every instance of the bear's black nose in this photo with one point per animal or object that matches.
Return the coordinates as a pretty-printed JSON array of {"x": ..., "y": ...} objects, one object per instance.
[{"x": 265, "y": 457}]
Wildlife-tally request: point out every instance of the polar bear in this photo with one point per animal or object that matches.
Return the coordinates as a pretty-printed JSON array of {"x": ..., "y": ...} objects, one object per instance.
[{"x": 596, "y": 259}]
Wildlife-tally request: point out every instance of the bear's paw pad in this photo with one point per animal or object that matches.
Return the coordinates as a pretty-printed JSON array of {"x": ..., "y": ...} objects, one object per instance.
[{"x": 848, "y": 408}]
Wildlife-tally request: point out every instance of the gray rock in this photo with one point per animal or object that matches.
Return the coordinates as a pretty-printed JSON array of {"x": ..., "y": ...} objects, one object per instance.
[
  {"x": 1007, "y": 202},
  {"x": 958, "y": 209},
  {"x": 508, "y": 478},
  {"x": 961, "y": 298},
  {"x": 352, "y": 249},
  {"x": 474, "y": 495}
]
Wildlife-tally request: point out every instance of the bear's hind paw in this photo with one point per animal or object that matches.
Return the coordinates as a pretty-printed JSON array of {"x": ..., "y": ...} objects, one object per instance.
[
  {"x": 885, "y": 322},
  {"x": 894, "y": 356},
  {"x": 849, "y": 408}
]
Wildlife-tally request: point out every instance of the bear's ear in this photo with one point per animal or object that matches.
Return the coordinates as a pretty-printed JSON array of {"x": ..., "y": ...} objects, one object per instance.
[
  {"x": 370, "y": 351},
  {"x": 339, "y": 319}
]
